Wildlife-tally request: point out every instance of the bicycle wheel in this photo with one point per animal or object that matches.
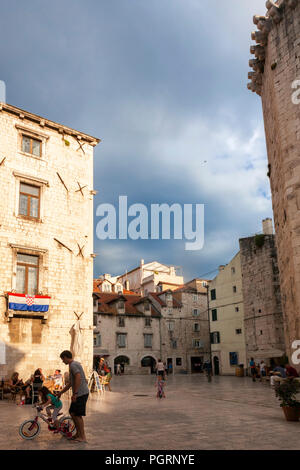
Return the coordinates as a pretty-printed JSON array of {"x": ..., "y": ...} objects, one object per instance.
[
  {"x": 67, "y": 426},
  {"x": 29, "y": 429}
]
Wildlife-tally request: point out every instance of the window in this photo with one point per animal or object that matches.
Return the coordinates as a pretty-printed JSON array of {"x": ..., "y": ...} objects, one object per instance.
[
  {"x": 215, "y": 337},
  {"x": 95, "y": 320},
  {"x": 148, "y": 341},
  {"x": 214, "y": 315},
  {"x": 29, "y": 202},
  {"x": 195, "y": 297},
  {"x": 232, "y": 270},
  {"x": 169, "y": 297},
  {"x": 196, "y": 327},
  {"x": 174, "y": 344},
  {"x": 121, "y": 340},
  {"x": 147, "y": 307},
  {"x": 178, "y": 361},
  {"x": 171, "y": 326},
  {"x": 121, "y": 321},
  {"x": 32, "y": 146},
  {"x": 27, "y": 274},
  {"x": 97, "y": 339},
  {"x": 197, "y": 343},
  {"x": 213, "y": 294},
  {"x": 195, "y": 312},
  {"x": 237, "y": 309},
  {"x": 106, "y": 288},
  {"x": 121, "y": 305},
  {"x": 234, "y": 289},
  {"x": 233, "y": 358},
  {"x": 147, "y": 321},
  {"x": 238, "y": 331}
]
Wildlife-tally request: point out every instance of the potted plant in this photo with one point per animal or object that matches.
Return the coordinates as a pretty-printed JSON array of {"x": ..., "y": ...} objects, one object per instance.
[{"x": 286, "y": 393}]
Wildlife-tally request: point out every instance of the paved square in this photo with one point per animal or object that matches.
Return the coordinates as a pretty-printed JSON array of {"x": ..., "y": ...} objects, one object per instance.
[{"x": 228, "y": 413}]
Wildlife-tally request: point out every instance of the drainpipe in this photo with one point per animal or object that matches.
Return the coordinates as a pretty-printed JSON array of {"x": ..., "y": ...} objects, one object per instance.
[{"x": 207, "y": 296}]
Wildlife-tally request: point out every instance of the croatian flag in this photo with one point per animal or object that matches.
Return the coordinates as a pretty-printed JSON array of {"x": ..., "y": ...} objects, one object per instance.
[{"x": 28, "y": 303}]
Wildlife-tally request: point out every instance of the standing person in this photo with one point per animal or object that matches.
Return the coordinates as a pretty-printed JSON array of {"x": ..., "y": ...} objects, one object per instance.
[
  {"x": 170, "y": 367},
  {"x": 118, "y": 369},
  {"x": 166, "y": 369},
  {"x": 80, "y": 395},
  {"x": 160, "y": 368},
  {"x": 252, "y": 369},
  {"x": 208, "y": 368},
  {"x": 262, "y": 367}
]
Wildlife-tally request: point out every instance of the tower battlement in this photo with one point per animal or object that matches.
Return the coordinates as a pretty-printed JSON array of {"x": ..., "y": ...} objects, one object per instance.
[{"x": 268, "y": 30}]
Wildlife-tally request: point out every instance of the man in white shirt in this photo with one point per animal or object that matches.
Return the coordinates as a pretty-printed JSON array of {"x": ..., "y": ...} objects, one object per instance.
[{"x": 160, "y": 368}]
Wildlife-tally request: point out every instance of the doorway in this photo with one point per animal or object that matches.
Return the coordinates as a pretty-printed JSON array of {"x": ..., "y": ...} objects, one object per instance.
[
  {"x": 216, "y": 365},
  {"x": 196, "y": 364}
]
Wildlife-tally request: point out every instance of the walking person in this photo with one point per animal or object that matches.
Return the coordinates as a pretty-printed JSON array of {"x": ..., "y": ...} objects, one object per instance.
[
  {"x": 78, "y": 382},
  {"x": 208, "y": 368},
  {"x": 160, "y": 368},
  {"x": 252, "y": 369}
]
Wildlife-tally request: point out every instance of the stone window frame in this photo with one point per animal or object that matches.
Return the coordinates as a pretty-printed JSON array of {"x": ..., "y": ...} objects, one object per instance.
[
  {"x": 200, "y": 343},
  {"x": 117, "y": 340},
  {"x": 148, "y": 335},
  {"x": 33, "y": 134},
  {"x": 43, "y": 255},
  {"x": 148, "y": 322},
  {"x": 96, "y": 337},
  {"x": 196, "y": 330},
  {"x": 214, "y": 314},
  {"x": 121, "y": 321},
  {"x": 43, "y": 265},
  {"x": 181, "y": 362},
  {"x": 33, "y": 181},
  {"x": 238, "y": 331}
]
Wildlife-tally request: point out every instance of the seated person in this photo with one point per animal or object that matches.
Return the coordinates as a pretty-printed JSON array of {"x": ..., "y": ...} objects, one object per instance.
[
  {"x": 291, "y": 371},
  {"x": 107, "y": 379},
  {"x": 15, "y": 383},
  {"x": 52, "y": 404},
  {"x": 278, "y": 371}
]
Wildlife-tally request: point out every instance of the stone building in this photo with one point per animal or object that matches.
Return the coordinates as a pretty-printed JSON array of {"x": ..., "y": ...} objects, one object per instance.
[
  {"x": 185, "y": 342},
  {"x": 276, "y": 78},
  {"x": 46, "y": 241},
  {"x": 263, "y": 318},
  {"x": 226, "y": 311},
  {"x": 145, "y": 278},
  {"x": 126, "y": 332}
]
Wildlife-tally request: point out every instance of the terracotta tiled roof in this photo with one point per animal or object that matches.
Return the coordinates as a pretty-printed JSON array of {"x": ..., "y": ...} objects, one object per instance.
[
  {"x": 107, "y": 306},
  {"x": 156, "y": 296}
]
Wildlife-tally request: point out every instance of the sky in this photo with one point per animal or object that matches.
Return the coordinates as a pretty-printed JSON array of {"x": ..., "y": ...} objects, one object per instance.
[{"x": 163, "y": 84}]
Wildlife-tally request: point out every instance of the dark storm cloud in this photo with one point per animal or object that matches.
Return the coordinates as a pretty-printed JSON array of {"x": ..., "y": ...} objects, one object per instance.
[{"x": 163, "y": 83}]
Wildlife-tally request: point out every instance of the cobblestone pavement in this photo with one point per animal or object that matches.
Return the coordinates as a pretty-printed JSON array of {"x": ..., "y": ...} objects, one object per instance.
[{"x": 228, "y": 413}]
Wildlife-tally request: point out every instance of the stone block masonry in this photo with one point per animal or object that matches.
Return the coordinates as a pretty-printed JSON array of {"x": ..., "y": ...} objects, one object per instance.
[
  {"x": 276, "y": 68},
  {"x": 61, "y": 236}
]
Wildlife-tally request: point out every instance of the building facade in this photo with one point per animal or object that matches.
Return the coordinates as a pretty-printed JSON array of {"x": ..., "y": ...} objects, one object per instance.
[
  {"x": 146, "y": 277},
  {"x": 185, "y": 342},
  {"x": 263, "y": 318},
  {"x": 276, "y": 79},
  {"x": 226, "y": 311},
  {"x": 46, "y": 241},
  {"x": 126, "y": 332}
]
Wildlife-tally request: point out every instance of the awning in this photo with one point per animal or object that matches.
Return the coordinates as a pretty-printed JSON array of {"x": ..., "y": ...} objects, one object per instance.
[
  {"x": 266, "y": 353},
  {"x": 101, "y": 352}
]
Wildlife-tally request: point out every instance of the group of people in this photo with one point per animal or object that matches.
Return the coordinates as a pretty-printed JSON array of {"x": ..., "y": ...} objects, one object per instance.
[
  {"x": 16, "y": 385},
  {"x": 260, "y": 371}
]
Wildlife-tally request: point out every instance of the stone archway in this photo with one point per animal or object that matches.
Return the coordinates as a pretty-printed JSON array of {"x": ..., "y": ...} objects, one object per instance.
[
  {"x": 149, "y": 361},
  {"x": 123, "y": 361}
]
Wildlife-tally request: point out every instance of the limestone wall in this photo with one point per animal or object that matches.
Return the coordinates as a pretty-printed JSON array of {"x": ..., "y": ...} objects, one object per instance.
[
  {"x": 65, "y": 214},
  {"x": 263, "y": 317},
  {"x": 276, "y": 67}
]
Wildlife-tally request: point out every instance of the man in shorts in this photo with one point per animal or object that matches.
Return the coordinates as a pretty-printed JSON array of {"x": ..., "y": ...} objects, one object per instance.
[{"x": 80, "y": 395}]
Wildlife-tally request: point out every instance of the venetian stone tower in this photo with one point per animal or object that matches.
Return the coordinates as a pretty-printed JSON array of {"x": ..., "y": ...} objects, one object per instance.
[{"x": 276, "y": 70}]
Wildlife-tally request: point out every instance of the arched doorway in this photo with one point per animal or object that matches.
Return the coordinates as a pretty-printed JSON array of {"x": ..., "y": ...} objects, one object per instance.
[
  {"x": 216, "y": 365},
  {"x": 149, "y": 361},
  {"x": 123, "y": 361}
]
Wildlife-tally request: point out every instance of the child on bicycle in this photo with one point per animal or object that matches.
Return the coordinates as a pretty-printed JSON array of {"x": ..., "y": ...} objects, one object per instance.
[
  {"x": 160, "y": 384},
  {"x": 51, "y": 403}
]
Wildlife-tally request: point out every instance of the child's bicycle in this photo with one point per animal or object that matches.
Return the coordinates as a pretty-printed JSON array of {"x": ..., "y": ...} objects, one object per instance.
[{"x": 31, "y": 428}]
